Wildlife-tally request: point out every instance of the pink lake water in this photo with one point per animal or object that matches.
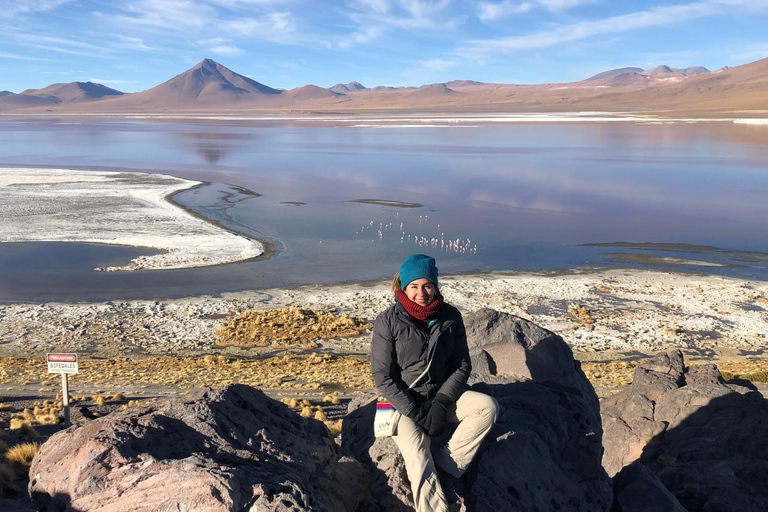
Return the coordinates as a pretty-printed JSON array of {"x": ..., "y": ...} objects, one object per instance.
[{"x": 513, "y": 196}]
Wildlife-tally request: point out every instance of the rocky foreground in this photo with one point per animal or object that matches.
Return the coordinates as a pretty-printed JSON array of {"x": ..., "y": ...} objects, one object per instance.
[{"x": 678, "y": 438}]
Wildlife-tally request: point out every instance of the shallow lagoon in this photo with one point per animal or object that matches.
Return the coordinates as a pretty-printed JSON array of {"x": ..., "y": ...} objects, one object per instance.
[{"x": 525, "y": 195}]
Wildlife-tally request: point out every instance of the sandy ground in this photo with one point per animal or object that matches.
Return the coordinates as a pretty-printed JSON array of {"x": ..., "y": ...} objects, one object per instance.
[{"x": 129, "y": 209}]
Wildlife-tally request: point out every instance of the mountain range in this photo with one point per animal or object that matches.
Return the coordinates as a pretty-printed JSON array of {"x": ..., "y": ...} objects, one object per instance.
[{"x": 210, "y": 87}]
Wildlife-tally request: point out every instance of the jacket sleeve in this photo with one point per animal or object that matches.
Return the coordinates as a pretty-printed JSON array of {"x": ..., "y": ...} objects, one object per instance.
[
  {"x": 456, "y": 382},
  {"x": 384, "y": 368}
]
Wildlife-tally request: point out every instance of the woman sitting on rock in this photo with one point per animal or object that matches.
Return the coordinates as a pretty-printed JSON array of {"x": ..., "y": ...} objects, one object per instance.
[{"x": 421, "y": 339}]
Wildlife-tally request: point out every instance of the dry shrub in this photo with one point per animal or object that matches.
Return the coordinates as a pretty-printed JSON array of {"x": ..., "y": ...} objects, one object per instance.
[
  {"x": 7, "y": 407},
  {"x": 334, "y": 427},
  {"x": 306, "y": 412},
  {"x": 331, "y": 399},
  {"x": 24, "y": 428},
  {"x": 290, "y": 327},
  {"x": 118, "y": 397},
  {"x": 22, "y": 454},
  {"x": 320, "y": 415},
  {"x": 209, "y": 359},
  {"x": 293, "y": 403},
  {"x": 581, "y": 315},
  {"x": 47, "y": 419},
  {"x": 100, "y": 400}
]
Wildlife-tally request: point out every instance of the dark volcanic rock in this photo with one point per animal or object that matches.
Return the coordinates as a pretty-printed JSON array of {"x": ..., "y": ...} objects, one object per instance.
[
  {"x": 544, "y": 452},
  {"x": 389, "y": 487},
  {"x": 704, "y": 439},
  {"x": 636, "y": 489},
  {"x": 17, "y": 505},
  {"x": 227, "y": 449}
]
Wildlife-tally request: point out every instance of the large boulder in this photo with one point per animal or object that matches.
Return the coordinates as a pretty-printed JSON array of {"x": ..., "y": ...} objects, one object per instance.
[
  {"x": 217, "y": 450},
  {"x": 17, "y": 505},
  {"x": 636, "y": 489},
  {"x": 544, "y": 452},
  {"x": 702, "y": 438}
]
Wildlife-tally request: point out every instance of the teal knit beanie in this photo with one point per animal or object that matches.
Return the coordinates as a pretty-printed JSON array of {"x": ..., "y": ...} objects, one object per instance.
[{"x": 417, "y": 266}]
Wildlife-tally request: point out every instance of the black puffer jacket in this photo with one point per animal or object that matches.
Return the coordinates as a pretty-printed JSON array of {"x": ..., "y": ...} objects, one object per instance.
[{"x": 400, "y": 350}]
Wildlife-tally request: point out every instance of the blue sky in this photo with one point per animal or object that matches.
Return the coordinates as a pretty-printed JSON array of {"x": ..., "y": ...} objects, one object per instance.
[{"x": 133, "y": 45}]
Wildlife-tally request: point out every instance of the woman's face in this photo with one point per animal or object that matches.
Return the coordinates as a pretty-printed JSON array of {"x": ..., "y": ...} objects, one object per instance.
[{"x": 421, "y": 291}]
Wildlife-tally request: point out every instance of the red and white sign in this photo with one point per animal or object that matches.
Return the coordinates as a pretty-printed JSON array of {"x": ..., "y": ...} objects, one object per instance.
[{"x": 62, "y": 363}]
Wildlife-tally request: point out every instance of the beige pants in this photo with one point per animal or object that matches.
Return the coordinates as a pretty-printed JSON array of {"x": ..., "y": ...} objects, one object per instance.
[{"x": 475, "y": 413}]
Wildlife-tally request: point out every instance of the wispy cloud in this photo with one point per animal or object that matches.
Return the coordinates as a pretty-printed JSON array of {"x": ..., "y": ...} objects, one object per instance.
[
  {"x": 173, "y": 14},
  {"x": 249, "y": 3},
  {"x": 438, "y": 64},
  {"x": 132, "y": 43},
  {"x": 61, "y": 41},
  {"x": 226, "y": 50},
  {"x": 560, "y": 5},
  {"x": 105, "y": 81},
  {"x": 659, "y": 16},
  {"x": 494, "y": 11},
  {"x": 4, "y": 55},
  {"x": 13, "y": 8},
  {"x": 489, "y": 11},
  {"x": 423, "y": 8},
  {"x": 363, "y": 37},
  {"x": 62, "y": 45},
  {"x": 274, "y": 26},
  {"x": 380, "y": 6},
  {"x": 404, "y": 14}
]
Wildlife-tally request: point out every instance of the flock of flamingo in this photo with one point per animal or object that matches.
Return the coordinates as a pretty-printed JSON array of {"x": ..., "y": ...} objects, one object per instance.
[{"x": 458, "y": 245}]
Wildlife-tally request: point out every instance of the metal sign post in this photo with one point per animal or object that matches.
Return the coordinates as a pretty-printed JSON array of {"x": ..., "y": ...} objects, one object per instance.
[{"x": 63, "y": 364}]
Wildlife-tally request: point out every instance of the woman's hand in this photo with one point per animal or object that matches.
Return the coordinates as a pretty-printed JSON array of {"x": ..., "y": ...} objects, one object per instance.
[
  {"x": 437, "y": 418},
  {"x": 420, "y": 414}
]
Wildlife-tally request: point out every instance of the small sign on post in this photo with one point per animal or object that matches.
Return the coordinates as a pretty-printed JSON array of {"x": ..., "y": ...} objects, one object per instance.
[{"x": 63, "y": 364}]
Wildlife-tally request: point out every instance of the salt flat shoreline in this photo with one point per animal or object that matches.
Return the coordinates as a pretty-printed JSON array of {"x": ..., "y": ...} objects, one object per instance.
[
  {"x": 600, "y": 313},
  {"x": 117, "y": 208},
  {"x": 384, "y": 119}
]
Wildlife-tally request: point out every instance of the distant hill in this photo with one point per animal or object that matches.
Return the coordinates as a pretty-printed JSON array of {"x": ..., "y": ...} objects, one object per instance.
[
  {"x": 462, "y": 83},
  {"x": 432, "y": 90},
  {"x": 213, "y": 88},
  {"x": 74, "y": 91},
  {"x": 737, "y": 88},
  {"x": 613, "y": 72},
  {"x": 310, "y": 92},
  {"x": 349, "y": 87},
  {"x": 12, "y": 100},
  {"x": 206, "y": 84},
  {"x": 668, "y": 71}
]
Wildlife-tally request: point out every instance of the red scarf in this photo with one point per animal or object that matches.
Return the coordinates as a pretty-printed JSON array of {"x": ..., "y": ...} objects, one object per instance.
[{"x": 418, "y": 311}]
